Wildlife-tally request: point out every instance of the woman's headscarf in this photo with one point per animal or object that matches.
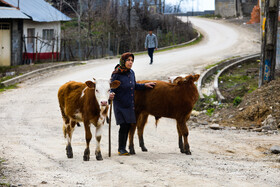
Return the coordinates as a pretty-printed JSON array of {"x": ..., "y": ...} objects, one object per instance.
[{"x": 120, "y": 68}]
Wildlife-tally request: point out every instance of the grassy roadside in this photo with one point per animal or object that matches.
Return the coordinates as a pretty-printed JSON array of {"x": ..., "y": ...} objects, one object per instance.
[
  {"x": 2, "y": 176},
  {"x": 174, "y": 47}
]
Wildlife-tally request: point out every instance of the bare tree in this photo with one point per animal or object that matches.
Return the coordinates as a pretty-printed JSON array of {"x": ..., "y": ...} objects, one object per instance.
[{"x": 78, "y": 14}]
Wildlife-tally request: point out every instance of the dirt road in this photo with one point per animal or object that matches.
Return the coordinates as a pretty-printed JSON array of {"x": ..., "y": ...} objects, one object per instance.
[{"x": 32, "y": 142}]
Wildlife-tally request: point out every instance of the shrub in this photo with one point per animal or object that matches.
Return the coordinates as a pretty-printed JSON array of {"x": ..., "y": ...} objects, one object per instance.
[{"x": 237, "y": 100}]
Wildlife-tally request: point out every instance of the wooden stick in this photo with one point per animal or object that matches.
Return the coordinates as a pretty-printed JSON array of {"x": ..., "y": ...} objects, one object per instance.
[{"x": 110, "y": 116}]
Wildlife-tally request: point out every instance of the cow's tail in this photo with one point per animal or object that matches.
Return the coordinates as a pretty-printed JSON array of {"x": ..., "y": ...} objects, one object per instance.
[{"x": 157, "y": 119}]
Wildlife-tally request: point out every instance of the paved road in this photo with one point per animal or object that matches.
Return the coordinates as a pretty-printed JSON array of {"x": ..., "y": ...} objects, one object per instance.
[{"x": 33, "y": 145}]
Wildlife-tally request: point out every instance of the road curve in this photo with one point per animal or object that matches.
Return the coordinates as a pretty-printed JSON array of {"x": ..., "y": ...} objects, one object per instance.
[{"x": 33, "y": 145}]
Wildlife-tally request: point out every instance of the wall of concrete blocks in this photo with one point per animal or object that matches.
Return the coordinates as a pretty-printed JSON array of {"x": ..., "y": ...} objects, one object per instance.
[{"x": 225, "y": 8}]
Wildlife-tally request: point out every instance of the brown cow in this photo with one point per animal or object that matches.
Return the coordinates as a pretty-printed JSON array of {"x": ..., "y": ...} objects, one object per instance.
[
  {"x": 171, "y": 100},
  {"x": 87, "y": 103}
]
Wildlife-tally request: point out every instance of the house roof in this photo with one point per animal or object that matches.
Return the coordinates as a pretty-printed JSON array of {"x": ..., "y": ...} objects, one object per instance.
[
  {"x": 11, "y": 13},
  {"x": 38, "y": 10}
]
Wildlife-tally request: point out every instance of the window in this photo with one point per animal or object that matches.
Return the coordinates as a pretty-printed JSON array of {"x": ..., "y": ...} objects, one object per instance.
[
  {"x": 4, "y": 26},
  {"x": 48, "y": 34}
]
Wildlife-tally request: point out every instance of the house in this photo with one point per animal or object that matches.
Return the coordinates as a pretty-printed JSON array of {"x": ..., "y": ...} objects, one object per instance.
[
  {"x": 29, "y": 30},
  {"x": 233, "y": 8}
]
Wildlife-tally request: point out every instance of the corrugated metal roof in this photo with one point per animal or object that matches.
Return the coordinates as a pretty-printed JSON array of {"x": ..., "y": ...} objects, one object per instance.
[
  {"x": 11, "y": 13},
  {"x": 38, "y": 10}
]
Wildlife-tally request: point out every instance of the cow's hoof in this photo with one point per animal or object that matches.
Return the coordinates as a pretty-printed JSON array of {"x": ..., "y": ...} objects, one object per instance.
[
  {"x": 69, "y": 155},
  {"x": 86, "y": 157},
  {"x": 182, "y": 151},
  {"x": 131, "y": 150},
  {"x": 144, "y": 149},
  {"x": 86, "y": 154},
  {"x": 98, "y": 156},
  {"x": 69, "y": 151},
  {"x": 188, "y": 152}
]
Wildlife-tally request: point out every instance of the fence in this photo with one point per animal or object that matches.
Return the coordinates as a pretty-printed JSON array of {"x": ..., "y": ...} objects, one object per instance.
[{"x": 36, "y": 49}]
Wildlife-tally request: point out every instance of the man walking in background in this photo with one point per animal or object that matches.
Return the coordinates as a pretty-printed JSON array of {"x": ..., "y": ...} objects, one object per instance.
[{"x": 151, "y": 43}]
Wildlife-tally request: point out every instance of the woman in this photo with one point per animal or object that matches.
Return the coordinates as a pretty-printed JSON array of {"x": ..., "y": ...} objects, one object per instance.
[{"x": 124, "y": 98}]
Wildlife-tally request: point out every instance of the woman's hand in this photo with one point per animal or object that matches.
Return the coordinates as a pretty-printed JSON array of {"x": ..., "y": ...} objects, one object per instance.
[
  {"x": 150, "y": 84},
  {"x": 111, "y": 96}
]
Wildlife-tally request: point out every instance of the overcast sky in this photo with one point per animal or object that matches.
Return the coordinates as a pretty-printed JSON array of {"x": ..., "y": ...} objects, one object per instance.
[{"x": 198, "y": 5}]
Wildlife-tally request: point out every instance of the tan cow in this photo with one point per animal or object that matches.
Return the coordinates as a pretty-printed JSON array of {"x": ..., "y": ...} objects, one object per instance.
[
  {"x": 87, "y": 103},
  {"x": 171, "y": 100}
]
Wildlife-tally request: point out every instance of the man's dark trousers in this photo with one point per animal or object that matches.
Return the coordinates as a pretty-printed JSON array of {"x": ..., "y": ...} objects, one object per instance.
[{"x": 150, "y": 53}]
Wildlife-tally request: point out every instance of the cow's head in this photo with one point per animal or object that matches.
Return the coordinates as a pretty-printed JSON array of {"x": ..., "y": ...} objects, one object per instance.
[{"x": 102, "y": 89}]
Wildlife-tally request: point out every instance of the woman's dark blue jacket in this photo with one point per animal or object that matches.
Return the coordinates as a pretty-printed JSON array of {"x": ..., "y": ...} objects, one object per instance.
[{"x": 124, "y": 98}]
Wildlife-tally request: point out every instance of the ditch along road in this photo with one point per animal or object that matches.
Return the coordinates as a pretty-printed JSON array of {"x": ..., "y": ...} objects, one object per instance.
[{"x": 33, "y": 146}]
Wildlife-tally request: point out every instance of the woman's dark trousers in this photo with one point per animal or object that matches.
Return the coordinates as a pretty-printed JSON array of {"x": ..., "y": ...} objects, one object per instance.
[{"x": 123, "y": 134}]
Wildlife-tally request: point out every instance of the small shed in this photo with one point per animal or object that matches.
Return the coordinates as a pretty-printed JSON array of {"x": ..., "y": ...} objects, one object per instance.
[
  {"x": 34, "y": 30},
  {"x": 233, "y": 8}
]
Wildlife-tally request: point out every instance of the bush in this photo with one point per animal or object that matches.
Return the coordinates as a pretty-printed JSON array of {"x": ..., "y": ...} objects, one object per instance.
[{"x": 237, "y": 100}]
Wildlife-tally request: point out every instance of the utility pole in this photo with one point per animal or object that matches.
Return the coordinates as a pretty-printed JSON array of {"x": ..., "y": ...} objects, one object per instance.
[{"x": 268, "y": 55}]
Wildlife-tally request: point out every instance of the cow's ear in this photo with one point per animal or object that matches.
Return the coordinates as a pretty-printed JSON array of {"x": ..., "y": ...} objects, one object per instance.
[
  {"x": 90, "y": 84},
  {"x": 188, "y": 78},
  {"x": 196, "y": 77},
  {"x": 115, "y": 84},
  {"x": 180, "y": 82},
  {"x": 177, "y": 80}
]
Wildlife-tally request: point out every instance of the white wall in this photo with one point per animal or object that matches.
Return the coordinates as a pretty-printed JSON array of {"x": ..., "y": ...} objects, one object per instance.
[{"x": 39, "y": 26}]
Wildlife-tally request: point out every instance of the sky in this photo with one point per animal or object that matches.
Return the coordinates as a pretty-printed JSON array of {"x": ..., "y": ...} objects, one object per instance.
[{"x": 198, "y": 5}]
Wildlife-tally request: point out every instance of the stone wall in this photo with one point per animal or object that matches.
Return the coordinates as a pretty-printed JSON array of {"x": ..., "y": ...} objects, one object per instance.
[
  {"x": 225, "y": 8},
  {"x": 248, "y": 7}
]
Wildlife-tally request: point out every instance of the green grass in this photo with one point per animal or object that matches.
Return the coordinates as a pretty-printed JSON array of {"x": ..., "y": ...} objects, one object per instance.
[
  {"x": 1, "y": 174},
  {"x": 6, "y": 78},
  {"x": 235, "y": 83},
  {"x": 4, "y": 88},
  {"x": 206, "y": 104},
  {"x": 5, "y": 184},
  {"x": 237, "y": 100},
  {"x": 4, "y": 69},
  {"x": 175, "y": 47},
  {"x": 210, "y": 111}
]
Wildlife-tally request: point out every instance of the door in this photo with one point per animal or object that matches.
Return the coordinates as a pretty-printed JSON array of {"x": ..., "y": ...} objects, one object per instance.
[
  {"x": 30, "y": 40},
  {"x": 5, "y": 44}
]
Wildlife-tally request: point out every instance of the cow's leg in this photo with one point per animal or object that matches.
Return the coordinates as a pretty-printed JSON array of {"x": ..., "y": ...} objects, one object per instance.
[
  {"x": 98, "y": 134},
  {"x": 132, "y": 132},
  {"x": 131, "y": 136},
  {"x": 88, "y": 139},
  {"x": 185, "y": 132},
  {"x": 68, "y": 129},
  {"x": 140, "y": 130},
  {"x": 181, "y": 146}
]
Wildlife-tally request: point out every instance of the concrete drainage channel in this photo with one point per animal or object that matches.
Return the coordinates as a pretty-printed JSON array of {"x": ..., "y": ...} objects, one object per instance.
[{"x": 222, "y": 67}]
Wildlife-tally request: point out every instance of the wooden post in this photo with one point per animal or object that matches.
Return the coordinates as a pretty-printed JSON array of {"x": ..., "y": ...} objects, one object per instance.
[
  {"x": 57, "y": 48},
  {"x": 52, "y": 49},
  {"x": 36, "y": 48},
  {"x": 110, "y": 116},
  {"x": 268, "y": 58}
]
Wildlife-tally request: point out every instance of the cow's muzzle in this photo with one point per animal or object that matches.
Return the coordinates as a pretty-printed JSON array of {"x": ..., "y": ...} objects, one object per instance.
[{"x": 104, "y": 103}]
